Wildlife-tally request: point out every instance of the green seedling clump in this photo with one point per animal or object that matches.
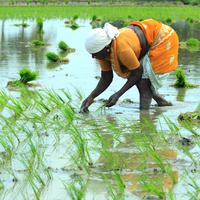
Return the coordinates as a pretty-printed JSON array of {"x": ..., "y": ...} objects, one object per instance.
[
  {"x": 63, "y": 46},
  {"x": 52, "y": 57},
  {"x": 181, "y": 78},
  {"x": 74, "y": 26},
  {"x": 37, "y": 43},
  {"x": 169, "y": 20},
  {"x": 181, "y": 81},
  {"x": 192, "y": 42},
  {"x": 190, "y": 116},
  {"x": 72, "y": 23},
  {"x": 27, "y": 75},
  {"x": 193, "y": 117}
]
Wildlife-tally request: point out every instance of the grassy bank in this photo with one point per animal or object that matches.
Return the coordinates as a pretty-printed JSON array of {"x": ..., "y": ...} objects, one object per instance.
[{"x": 108, "y": 12}]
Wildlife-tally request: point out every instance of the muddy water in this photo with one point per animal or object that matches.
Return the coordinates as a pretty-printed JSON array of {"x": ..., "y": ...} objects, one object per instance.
[{"x": 81, "y": 73}]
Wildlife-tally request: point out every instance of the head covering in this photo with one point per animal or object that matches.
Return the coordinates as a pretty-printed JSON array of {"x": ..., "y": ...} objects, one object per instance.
[{"x": 98, "y": 38}]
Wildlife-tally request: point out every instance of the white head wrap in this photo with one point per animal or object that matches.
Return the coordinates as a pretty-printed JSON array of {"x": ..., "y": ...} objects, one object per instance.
[{"x": 98, "y": 38}]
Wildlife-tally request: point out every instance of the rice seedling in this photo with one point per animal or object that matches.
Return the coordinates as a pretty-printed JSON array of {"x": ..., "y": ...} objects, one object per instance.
[
  {"x": 52, "y": 57},
  {"x": 190, "y": 116},
  {"x": 3, "y": 99},
  {"x": 173, "y": 128},
  {"x": 79, "y": 94},
  {"x": 193, "y": 187},
  {"x": 40, "y": 25},
  {"x": 8, "y": 147},
  {"x": 171, "y": 195},
  {"x": 101, "y": 108},
  {"x": 153, "y": 188},
  {"x": 82, "y": 157},
  {"x": 64, "y": 47},
  {"x": 55, "y": 113},
  {"x": 26, "y": 75},
  {"x": 96, "y": 22},
  {"x": 72, "y": 23},
  {"x": 116, "y": 190},
  {"x": 181, "y": 81},
  {"x": 37, "y": 43},
  {"x": 76, "y": 189},
  {"x": 8, "y": 127},
  {"x": 193, "y": 42},
  {"x": 37, "y": 175}
]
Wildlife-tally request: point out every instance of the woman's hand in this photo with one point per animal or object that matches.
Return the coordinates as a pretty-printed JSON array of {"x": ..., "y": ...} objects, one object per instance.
[
  {"x": 85, "y": 105},
  {"x": 112, "y": 100}
]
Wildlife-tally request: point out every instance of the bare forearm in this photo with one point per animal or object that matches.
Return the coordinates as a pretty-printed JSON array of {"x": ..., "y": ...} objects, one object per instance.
[
  {"x": 132, "y": 80},
  {"x": 104, "y": 82}
]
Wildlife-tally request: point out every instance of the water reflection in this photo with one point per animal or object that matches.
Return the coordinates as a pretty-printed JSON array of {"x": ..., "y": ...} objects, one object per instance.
[
  {"x": 16, "y": 48},
  {"x": 16, "y": 52},
  {"x": 181, "y": 94},
  {"x": 142, "y": 154},
  {"x": 186, "y": 29}
]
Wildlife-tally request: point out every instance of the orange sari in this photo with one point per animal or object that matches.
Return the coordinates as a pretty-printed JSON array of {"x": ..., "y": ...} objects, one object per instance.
[{"x": 164, "y": 44}]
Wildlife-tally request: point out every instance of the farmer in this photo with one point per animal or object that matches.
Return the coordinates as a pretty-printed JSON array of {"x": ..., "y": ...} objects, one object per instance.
[{"x": 143, "y": 53}]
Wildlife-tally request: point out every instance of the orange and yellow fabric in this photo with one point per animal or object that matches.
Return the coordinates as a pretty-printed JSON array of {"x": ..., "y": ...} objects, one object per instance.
[{"x": 126, "y": 49}]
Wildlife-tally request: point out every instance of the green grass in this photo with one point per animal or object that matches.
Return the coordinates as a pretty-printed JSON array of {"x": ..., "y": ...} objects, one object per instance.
[{"x": 103, "y": 12}]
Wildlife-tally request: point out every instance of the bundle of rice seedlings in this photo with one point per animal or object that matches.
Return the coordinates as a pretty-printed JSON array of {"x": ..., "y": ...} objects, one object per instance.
[
  {"x": 63, "y": 46},
  {"x": 27, "y": 75},
  {"x": 52, "y": 57}
]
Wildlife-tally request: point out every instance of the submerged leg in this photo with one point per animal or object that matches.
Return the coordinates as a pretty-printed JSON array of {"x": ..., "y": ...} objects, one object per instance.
[
  {"x": 146, "y": 95},
  {"x": 144, "y": 88},
  {"x": 160, "y": 100}
]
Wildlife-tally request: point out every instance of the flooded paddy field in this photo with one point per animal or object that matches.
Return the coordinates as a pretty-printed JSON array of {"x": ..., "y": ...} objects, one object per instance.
[{"x": 48, "y": 150}]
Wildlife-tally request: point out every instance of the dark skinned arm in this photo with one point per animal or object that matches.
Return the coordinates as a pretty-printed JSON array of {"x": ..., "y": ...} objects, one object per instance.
[
  {"x": 134, "y": 77},
  {"x": 104, "y": 82}
]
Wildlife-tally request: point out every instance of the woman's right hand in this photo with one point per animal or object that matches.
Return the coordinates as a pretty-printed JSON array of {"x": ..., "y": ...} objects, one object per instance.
[{"x": 85, "y": 105}]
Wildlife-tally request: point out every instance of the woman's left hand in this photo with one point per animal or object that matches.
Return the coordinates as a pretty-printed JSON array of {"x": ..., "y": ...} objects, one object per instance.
[{"x": 112, "y": 100}]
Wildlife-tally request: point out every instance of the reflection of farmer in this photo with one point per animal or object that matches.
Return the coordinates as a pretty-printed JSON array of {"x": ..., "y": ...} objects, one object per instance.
[{"x": 143, "y": 53}]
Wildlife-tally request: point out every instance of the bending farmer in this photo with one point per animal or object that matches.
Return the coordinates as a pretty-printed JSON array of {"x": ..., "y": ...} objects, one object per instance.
[{"x": 143, "y": 53}]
